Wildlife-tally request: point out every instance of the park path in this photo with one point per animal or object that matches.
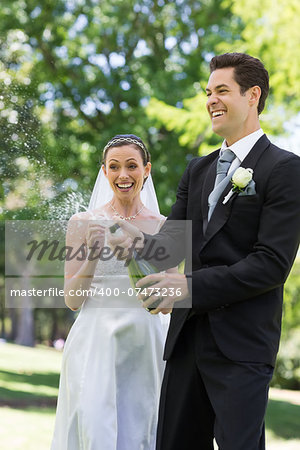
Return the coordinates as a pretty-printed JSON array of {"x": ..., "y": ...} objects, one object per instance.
[{"x": 285, "y": 395}]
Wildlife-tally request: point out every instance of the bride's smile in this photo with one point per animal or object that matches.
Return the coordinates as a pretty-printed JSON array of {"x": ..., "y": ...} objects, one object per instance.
[
  {"x": 125, "y": 187},
  {"x": 126, "y": 172}
]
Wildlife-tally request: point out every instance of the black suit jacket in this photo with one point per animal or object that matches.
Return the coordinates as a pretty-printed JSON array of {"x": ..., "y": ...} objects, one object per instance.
[{"x": 242, "y": 259}]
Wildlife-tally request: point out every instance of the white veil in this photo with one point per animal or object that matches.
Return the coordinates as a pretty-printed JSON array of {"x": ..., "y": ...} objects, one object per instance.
[{"x": 102, "y": 193}]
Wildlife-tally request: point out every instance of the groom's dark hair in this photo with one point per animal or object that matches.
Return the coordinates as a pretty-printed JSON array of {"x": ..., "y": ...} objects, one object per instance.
[{"x": 248, "y": 72}]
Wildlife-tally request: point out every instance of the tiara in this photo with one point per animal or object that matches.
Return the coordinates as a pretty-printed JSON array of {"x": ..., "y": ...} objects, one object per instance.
[{"x": 122, "y": 139}]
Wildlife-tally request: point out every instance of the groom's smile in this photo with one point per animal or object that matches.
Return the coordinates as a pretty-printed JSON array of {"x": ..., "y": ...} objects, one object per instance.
[
  {"x": 230, "y": 110},
  {"x": 217, "y": 113}
]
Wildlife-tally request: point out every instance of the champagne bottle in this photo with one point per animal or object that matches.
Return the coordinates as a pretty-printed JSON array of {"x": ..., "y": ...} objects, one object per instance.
[{"x": 138, "y": 268}]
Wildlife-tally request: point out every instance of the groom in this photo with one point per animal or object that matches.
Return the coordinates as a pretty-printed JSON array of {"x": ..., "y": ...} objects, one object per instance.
[{"x": 221, "y": 353}]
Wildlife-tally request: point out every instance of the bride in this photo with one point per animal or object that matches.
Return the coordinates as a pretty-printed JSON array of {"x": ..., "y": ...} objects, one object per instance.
[{"x": 112, "y": 363}]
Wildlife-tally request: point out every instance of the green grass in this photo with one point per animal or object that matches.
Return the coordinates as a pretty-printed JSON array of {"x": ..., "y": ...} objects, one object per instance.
[
  {"x": 26, "y": 429},
  {"x": 28, "y": 375},
  {"x": 28, "y": 390},
  {"x": 282, "y": 423}
]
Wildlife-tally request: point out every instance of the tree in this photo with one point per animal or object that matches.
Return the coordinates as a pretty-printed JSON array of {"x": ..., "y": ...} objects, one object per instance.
[
  {"x": 90, "y": 67},
  {"x": 271, "y": 31},
  {"x": 265, "y": 29}
]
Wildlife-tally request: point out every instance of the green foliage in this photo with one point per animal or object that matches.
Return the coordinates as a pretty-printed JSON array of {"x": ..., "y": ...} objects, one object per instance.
[
  {"x": 287, "y": 371},
  {"x": 271, "y": 32},
  {"x": 89, "y": 69},
  {"x": 266, "y": 29},
  {"x": 191, "y": 122},
  {"x": 73, "y": 74},
  {"x": 291, "y": 313}
]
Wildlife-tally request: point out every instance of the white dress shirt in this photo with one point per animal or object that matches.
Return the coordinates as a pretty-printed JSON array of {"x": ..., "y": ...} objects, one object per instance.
[{"x": 241, "y": 148}]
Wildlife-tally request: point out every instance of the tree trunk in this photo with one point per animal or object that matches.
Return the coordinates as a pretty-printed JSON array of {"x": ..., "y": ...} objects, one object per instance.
[{"x": 25, "y": 333}]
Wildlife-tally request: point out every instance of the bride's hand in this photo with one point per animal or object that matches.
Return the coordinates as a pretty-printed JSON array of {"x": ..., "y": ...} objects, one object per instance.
[
  {"x": 95, "y": 235},
  {"x": 130, "y": 237}
]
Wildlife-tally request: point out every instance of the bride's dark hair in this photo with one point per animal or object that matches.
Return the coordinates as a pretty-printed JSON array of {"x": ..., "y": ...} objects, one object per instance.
[{"x": 128, "y": 139}]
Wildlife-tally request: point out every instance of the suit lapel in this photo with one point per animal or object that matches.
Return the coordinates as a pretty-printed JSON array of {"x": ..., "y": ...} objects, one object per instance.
[
  {"x": 221, "y": 212},
  {"x": 208, "y": 186}
]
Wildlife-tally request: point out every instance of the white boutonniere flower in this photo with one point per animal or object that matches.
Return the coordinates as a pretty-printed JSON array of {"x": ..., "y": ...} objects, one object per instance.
[{"x": 240, "y": 180}]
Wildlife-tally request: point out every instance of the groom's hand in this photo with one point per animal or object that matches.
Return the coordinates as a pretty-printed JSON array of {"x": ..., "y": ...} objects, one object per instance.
[
  {"x": 125, "y": 240},
  {"x": 171, "y": 287}
]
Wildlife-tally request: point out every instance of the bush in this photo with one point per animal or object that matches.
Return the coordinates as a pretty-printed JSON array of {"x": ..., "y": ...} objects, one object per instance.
[{"x": 287, "y": 370}]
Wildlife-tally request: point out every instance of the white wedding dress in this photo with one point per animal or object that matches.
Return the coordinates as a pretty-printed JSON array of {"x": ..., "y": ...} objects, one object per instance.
[{"x": 111, "y": 371}]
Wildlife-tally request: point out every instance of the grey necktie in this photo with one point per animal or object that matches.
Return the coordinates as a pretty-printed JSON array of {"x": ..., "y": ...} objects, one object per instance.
[{"x": 224, "y": 162}]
